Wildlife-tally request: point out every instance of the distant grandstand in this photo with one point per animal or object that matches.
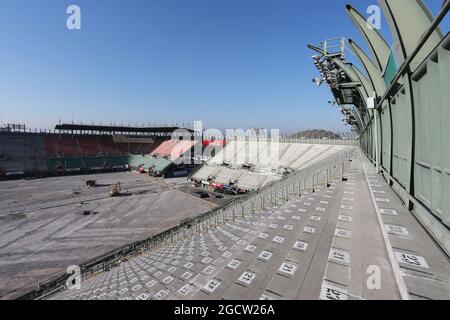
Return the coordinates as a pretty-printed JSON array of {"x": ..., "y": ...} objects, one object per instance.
[
  {"x": 88, "y": 148},
  {"x": 264, "y": 163},
  {"x": 319, "y": 134},
  {"x": 167, "y": 155}
]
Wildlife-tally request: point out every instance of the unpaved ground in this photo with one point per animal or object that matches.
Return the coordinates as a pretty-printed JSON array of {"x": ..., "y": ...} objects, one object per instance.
[{"x": 43, "y": 229}]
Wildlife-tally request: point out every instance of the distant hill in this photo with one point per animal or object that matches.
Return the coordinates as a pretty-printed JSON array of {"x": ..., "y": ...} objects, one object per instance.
[{"x": 316, "y": 134}]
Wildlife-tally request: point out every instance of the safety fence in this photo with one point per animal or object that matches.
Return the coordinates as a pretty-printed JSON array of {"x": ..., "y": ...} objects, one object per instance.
[
  {"x": 338, "y": 142},
  {"x": 410, "y": 143}
]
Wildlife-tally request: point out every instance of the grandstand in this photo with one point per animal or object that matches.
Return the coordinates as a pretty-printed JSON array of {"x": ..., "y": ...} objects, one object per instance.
[
  {"x": 81, "y": 149},
  {"x": 154, "y": 165},
  {"x": 168, "y": 155},
  {"x": 21, "y": 153},
  {"x": 250, "y": 165}
]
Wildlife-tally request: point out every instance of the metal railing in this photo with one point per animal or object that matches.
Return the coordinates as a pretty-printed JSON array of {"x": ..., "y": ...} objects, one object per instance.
[
  {"x": 276, "y": 193},
  {"x": 326, "y": 141}
]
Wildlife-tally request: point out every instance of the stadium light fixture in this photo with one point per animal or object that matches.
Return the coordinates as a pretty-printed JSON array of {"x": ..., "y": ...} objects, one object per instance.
[{"x": 318, "y": 81}]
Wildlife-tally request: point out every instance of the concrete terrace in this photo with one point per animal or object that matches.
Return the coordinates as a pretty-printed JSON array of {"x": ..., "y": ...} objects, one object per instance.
[
  {"x": 325, "y": 244},
  {"x": 227, "y": 165}
]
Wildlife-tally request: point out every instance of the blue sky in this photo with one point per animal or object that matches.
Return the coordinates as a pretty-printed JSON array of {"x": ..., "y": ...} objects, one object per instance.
[{"x": 230, "y": 63}]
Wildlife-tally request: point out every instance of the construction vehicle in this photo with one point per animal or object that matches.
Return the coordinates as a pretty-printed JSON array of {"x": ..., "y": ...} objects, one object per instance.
[
  {"x": 91, "y": 183},
  {"x": 115, "y": 190}
]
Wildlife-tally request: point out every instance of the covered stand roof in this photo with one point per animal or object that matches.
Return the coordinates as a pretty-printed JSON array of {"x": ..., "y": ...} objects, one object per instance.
[{"x": 102, "y": 128}]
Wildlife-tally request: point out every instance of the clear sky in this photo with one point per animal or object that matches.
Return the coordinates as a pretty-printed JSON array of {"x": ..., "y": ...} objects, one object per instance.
[{"x": 230, "y": 63}]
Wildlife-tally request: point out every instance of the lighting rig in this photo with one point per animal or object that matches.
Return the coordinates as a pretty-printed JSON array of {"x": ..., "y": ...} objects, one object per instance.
[{"x": 331, "y": 65}]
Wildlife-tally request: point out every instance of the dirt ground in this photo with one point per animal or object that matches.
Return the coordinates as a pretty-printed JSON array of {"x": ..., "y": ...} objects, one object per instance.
[{"x": 44, "y": 229}]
